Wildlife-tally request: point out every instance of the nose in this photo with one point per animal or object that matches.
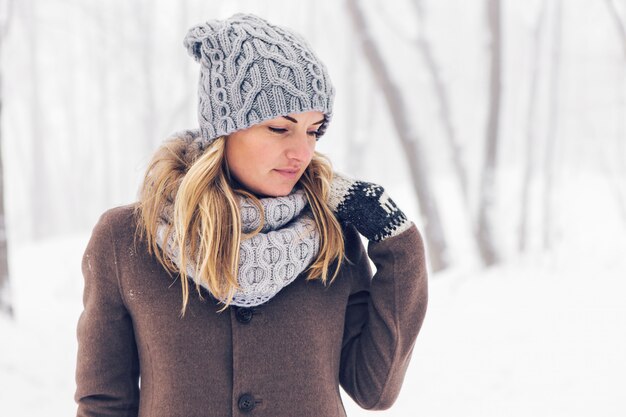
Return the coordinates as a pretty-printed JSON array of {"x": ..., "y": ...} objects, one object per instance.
[{"x": 300, "y": 147}]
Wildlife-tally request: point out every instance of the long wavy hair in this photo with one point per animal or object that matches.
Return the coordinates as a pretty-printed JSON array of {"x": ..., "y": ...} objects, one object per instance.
[{"x": 189, "y": 184}]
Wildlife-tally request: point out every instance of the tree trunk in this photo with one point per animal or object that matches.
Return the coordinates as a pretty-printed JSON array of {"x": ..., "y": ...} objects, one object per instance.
[
  {"x": 531, "y": 138},
  {"x": 551, "y": 130},
  {"x": 38, "y": 183},
  {"x": 409, "y": 140},
  {"x": 359, "y": 100},
  {"x": 619, "y": 24},
  {"x": 186, "y": 103},
  {"x": 147, "y": 63},
  {"x": 487, "y": 196},
  {"x": 145, "y": 12},
  {"x": 81, "y": 161},
  {"x": 105, "y": 175},
  {"x": 424, "y": 47},
  {"x": 6, "y": 305},
  {"x": 620, "y": 152}
]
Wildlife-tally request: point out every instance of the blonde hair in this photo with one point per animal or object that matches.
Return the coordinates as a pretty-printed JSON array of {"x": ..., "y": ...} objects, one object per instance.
[{"x": 206, "y": 220}]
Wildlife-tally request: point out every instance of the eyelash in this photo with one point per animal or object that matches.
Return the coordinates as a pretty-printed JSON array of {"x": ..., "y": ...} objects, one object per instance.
[{"x": 280, "y": 130}]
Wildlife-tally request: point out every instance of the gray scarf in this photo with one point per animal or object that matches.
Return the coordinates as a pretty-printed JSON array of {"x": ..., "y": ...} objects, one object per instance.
[{"x": 286, "y": 245}]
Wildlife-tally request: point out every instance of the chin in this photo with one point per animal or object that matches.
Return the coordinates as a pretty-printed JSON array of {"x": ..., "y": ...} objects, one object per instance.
[
  {"x": 281, "y": 191},
  {"x": 271, "y": 187},
  {"x": 276, "y": 191}
]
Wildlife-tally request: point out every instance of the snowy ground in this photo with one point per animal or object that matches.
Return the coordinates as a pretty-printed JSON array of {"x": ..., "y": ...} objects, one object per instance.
[{"x": 540, "y": 335}]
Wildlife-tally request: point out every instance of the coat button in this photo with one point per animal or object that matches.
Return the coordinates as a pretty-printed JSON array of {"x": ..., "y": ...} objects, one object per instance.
[
  {"x": 246, "y": 403},
  {"x": 244, "y": 315}
]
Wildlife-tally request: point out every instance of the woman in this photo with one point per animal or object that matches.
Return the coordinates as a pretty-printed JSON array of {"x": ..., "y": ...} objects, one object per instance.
[{"x": 238, "y": 283}]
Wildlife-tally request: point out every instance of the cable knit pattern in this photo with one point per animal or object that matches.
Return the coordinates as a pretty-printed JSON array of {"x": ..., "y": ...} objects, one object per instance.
[
  {"x": 278, "y": 211},
  {"x": 270, "y": 260},
  {"x": 251, "y": 71}
]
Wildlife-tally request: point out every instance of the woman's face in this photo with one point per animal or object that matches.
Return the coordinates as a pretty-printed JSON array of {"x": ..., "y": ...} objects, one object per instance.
[{"x": 269, "y": 158}]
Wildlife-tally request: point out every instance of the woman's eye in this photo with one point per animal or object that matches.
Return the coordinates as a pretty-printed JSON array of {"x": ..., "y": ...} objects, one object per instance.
[
  {"x": 315, "y": 133},
  {"x": 281, "y": 130}
]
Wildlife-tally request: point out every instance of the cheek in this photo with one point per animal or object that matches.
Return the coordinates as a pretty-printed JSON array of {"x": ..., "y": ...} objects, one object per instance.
[
  {"x": 246, "y": 161},
  {"x": 310, "y": 153},
  {"x": 312, "y": 150},
  {"x": 234, "y": 159}
]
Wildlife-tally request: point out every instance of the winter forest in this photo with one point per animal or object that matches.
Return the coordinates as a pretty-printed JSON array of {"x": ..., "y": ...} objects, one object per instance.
[{"x": 499, "y": 127}]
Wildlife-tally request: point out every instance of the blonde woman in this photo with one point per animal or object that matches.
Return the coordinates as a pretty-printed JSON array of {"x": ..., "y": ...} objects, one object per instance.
[{"x": 238, "y": 283}]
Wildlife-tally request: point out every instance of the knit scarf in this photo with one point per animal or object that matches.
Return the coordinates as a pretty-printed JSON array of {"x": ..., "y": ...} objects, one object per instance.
[{"x": 270, "y": 260}]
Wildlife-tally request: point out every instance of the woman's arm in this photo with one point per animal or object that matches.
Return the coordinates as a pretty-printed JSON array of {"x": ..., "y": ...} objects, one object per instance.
[
  {"x": 383, "y": 319},
  {"x": 384, "y": 313},
  {"x": 107, "y": 370}
]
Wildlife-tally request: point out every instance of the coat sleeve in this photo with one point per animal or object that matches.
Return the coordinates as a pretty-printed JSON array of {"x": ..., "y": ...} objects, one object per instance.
[
  {"x": 107, "y": 369},
  {"x": 383, "y": 318}
]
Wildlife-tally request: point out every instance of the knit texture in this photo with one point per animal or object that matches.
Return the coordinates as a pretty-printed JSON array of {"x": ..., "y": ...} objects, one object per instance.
[
  {"x": 270, "y": 260},
  {"x": 367, "y": 207},
  {"x": 251, "y": 71}
]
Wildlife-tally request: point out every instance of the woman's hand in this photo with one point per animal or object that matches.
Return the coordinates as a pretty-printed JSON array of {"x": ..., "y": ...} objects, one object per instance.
[{"x": 367, "y": 207}]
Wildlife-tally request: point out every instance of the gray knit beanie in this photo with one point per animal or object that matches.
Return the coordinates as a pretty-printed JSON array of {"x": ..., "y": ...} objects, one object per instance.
[{"x": 251, "y": 71}]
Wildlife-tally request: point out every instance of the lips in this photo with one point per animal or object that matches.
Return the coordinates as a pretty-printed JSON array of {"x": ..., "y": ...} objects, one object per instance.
[{"x": 288, "y": 172}]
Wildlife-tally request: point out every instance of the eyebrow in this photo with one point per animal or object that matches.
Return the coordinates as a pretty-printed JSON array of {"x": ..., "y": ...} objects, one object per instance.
[{"x": 291, "y": 119}]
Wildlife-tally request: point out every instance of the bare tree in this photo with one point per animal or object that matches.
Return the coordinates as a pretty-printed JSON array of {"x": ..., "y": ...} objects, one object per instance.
[
  {"x": 530, "y": 128},
  {"x": 112, "y": 42},
  {"x": 89, "y": 21},
  {"x": 38, "y": 183},
  {"x": 619, "y": 24},
  {"x": 145, "y": 14},
  {"x": 441, "y": 93},
  {"x": 552, "y": 125},
  {"x": 6, "y": 306},
  {"x": 70, "y": 107},
  {"x": 102, "y": 74},
  {"x": 424, "y": 47},
  {"x": 487, "y": 194},
  {"x": 357, "y": 124},
  {"x": 614, "y": 180},
  {"x": 409, "y": 140},
  {"x": 186, "y": 103}
]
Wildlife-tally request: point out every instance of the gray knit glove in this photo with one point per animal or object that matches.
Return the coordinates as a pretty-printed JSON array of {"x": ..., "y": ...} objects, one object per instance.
[{"x": 367, "y": 207}]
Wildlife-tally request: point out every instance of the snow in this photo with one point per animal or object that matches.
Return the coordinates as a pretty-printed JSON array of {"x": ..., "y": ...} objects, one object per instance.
[{"x": 38, "y": 348}]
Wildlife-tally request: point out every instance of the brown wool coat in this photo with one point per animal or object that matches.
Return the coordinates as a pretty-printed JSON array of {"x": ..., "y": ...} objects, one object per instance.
[{"x": 284, "y": 358}]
